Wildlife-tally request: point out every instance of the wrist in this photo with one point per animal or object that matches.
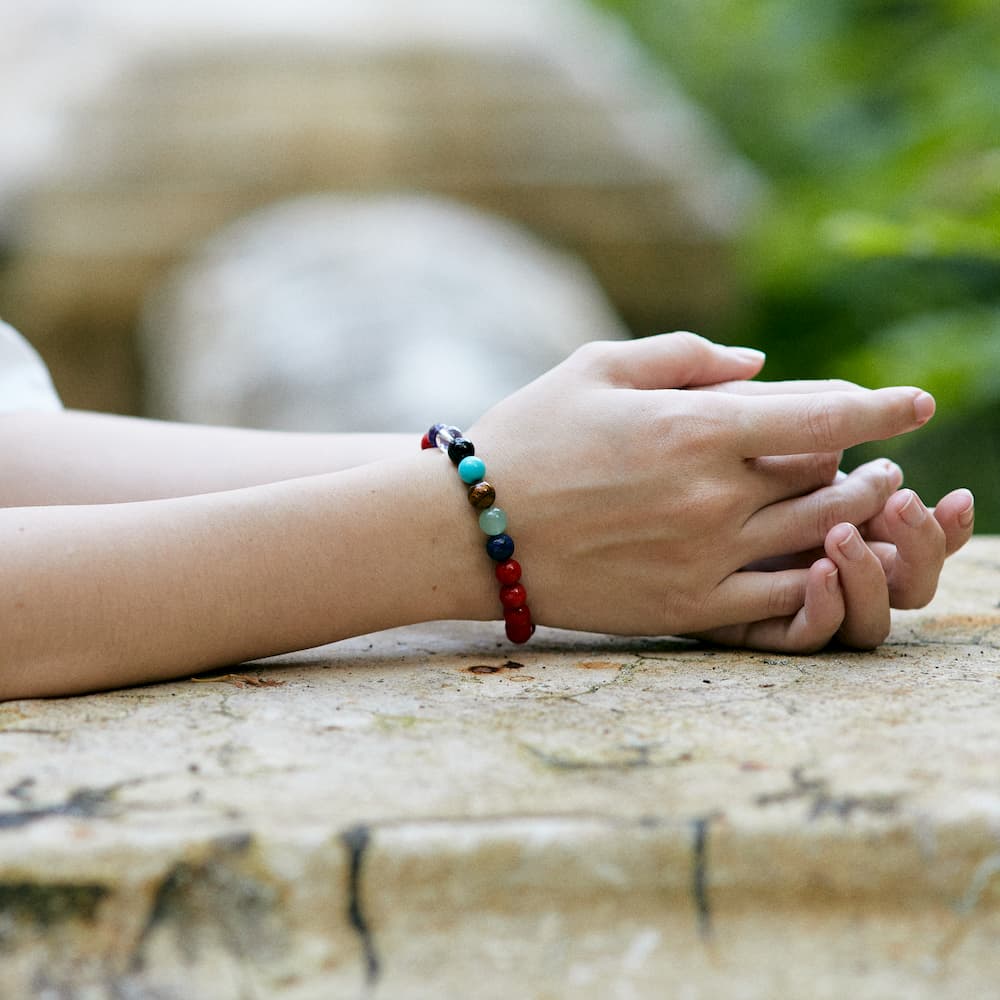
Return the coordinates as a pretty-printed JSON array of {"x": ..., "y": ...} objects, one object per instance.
[
  {"x": 480, "y": 493},
  {"x": 459, "y": 584}
]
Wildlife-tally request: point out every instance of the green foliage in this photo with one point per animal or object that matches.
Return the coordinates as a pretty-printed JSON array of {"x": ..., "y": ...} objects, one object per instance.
[{"x": 877, "y": 257}]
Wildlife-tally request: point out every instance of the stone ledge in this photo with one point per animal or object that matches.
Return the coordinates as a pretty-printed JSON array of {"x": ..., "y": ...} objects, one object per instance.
[{"x": 415, "y": 814}]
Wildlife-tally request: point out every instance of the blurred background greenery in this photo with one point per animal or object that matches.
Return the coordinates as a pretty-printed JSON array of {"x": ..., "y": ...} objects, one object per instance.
[{"x": 877, "y": 258}]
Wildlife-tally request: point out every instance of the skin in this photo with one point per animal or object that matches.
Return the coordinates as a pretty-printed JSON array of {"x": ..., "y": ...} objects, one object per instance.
[{"x": 137, "y": 551}]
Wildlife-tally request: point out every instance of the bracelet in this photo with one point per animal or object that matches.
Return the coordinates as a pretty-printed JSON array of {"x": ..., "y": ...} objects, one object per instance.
[{"x": 493, "y": 521}]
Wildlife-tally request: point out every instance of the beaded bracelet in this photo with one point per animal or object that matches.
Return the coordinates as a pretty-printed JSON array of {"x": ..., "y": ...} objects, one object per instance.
[{"x": 493, "y": 521}]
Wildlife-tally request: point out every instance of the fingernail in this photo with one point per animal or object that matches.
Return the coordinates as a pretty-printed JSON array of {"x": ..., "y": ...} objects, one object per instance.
[
  {"x": 832, "y": 581},
  {"x": 913, "y": 512},
  {"x": 967, "y": 516},
  {"x": 894, "y": 472},
  {"x": 851, "y": 545},
  {"x": 749, "y": 354},
  {"x": 923, "y": 406}
]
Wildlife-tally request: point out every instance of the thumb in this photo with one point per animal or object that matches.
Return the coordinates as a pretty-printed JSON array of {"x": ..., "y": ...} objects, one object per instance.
[{"x": 677, "y": 361}]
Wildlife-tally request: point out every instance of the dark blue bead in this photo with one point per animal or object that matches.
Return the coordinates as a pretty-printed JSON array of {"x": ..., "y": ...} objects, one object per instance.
[
  {"x": 500, "y": 547},
  {"x": 459, "y": 449}
]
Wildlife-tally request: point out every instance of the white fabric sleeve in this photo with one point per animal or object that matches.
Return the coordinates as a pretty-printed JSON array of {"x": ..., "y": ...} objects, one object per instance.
[{"x": 24, "y": 380}]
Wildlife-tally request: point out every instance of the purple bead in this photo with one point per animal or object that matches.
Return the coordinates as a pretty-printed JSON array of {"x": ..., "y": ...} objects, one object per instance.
[
  {"x": 500, "y": 547},
  {"x": 433, "y": 433},
  {"x": 445, "y": 437}
]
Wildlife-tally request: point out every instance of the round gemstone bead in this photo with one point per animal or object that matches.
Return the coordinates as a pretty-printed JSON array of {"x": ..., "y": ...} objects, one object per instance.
[
  {"x": 518, "y": 624},
  {"x": 500, "y": 547},
  {"x": 513, "y": 596},
  {"x": 520, "y": 633},
  {"x": 460, "y": 448},
  {"x": 482, "y": 495},
  {"x": 493, "y": 521},
  {"x": 471, "y": 469},
  {"x": 425, "y": 442},
  {"x": 432, "y": 434},
  {"x": 445, "y": 436},
  {"x": 514, "y": 616},
  {"x": 508, "y": 572}
]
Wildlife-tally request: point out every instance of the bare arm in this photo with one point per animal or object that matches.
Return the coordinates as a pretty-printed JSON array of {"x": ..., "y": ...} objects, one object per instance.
[
  {"x": 637, "y": 507},
  {"x": 74, "y": 457},
  {"x": 110, "y": 595}
]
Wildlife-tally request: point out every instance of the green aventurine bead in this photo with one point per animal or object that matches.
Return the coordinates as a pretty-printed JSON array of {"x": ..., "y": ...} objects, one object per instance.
[
  {"x": 482, "y": 495},
  {"x": 493, "y": 521}
]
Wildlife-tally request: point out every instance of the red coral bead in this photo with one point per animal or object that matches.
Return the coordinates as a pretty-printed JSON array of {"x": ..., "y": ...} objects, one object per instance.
[
  {"x": 508, "y": 572},
  {"x": 519, "y": 631},
  {"x": 425, "y": 443},
  {"x": 517, "y": 624},
  {"x": 513, "y": 596}
]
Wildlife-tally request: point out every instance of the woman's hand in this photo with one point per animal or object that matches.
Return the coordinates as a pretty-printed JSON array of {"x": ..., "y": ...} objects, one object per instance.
[
  {"x": 637, "y": 506},
  {"x": 895, "y": 561}
]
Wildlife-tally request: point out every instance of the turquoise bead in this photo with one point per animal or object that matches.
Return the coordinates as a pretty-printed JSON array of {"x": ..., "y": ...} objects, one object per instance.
[
  {"x": 493, "y": 521},
  {"x": 471, "y": 469}
]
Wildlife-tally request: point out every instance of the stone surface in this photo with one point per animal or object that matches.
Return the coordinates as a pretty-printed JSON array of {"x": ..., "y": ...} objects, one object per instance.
[
  {"x": 366, "y": 314},
  {"x": 134, "y": 131},
  {"x": 416, "y": 815}
]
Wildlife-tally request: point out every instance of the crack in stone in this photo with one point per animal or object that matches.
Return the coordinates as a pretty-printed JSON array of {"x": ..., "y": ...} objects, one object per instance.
[
  {"x": 84, "y": 803},
  {"x": 46, "y": 904},
  {"x": 699, "y": 877},
  {"x": 214, "y": 890},
  {"x": 622, "y": 676},
  {"x": 639, "y": 756},
  {"x": 822, "y": 802},
  {"x": 357, "y": 839},
  {"x": 981, "y": 878}
]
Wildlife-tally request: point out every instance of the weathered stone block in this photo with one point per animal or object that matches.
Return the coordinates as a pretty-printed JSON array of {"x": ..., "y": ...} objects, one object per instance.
[{"x": 417, "y": 815}]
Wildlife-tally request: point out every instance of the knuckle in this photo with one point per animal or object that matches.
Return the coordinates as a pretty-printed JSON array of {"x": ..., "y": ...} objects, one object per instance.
[
  {"x": 842, "y": 385},
  {"x": 594, "y": 357},
  {"x": 918, "y": 594},
  {"x": 782, "y": 596},
  {"x": 880, "y": 633},
  {"x": 592, "y": 351},
  {"x": 687, "y": 339},
  {"x": 827, "y": 512},
  {"x": 823, "y": 425},
  {"x": 807, "y": 645},
  {"x": 873, "y": 635},
  {"x": 827, "y": 465}
]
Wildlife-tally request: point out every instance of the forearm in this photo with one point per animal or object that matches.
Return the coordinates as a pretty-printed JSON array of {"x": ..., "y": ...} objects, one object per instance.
[
  {"x": 75, "y": 457},
  {"x": 110, "y": 595}
]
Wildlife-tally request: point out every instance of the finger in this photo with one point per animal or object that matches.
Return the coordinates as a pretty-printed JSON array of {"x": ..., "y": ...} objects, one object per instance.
[
  {"x": 866, "y": 592},
  {"x": 808, "y": 630},
  {"x": 920, "y": 548},
  {"x": 803, "y": 522},
  {"x": 669, "y": 361},
  {"x": 956, "y": 513},
  {"x": 755, "y": 387},
  {"x": 752, "y": 596},
  {"x": 831, "y": 421},
  {"x": 785, "y": 476}
]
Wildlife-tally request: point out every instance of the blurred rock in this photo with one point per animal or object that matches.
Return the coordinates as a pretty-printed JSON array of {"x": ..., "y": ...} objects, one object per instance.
[
  {"x": 136, "y": 130},
  {"x": 346, "y": 313}
]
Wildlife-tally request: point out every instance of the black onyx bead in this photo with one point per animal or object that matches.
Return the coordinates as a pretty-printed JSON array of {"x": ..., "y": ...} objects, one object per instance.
[{"x": 459, "y": 449}]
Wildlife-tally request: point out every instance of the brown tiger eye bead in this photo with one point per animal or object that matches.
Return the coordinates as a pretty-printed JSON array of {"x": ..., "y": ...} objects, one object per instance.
[{"x": 482, "y": 495}]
